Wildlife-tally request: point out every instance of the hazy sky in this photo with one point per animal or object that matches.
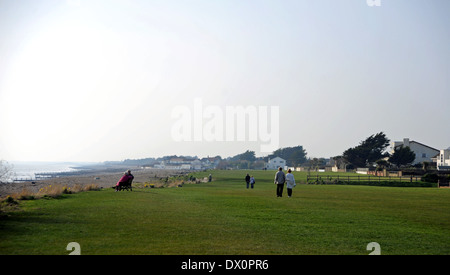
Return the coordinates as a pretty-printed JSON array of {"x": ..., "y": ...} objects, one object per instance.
[{"x": 98, "y": 80}]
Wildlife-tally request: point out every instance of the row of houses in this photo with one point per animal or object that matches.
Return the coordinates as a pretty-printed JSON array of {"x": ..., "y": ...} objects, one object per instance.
[
  {"x": 424, "y": 153},
  {"x": 187, "y": 163}
]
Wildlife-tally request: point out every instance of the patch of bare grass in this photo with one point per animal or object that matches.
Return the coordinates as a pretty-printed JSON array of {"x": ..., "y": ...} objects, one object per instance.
[{"x": 25, "y": 194}]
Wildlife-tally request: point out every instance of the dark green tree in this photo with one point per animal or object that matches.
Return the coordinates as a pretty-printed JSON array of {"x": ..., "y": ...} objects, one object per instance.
[
  {"x": 368, "y": 151},
  {"x": 247, "y": 155},
  {"x": 355, "y": 157},
  {"x": 402, "y": 156},
  {"x": 294, "y": 156}
]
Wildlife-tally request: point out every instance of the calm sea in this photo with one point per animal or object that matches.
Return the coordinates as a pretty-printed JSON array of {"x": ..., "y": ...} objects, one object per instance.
[{"x": 27, "y": 170}]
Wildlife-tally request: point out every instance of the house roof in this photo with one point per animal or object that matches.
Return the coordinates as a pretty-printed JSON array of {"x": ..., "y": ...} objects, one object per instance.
[
  {"x": 421, "y": 144},
  {"x": 277, "y": 159}
]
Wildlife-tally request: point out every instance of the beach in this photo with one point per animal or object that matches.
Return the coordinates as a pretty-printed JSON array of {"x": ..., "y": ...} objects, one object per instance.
[{"x": 102, "y": 178}]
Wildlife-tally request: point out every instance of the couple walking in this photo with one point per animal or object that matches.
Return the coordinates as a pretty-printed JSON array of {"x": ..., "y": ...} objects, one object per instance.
[
  {"x": 250, "y": 180},
  {"x": 281, "y": 178}
]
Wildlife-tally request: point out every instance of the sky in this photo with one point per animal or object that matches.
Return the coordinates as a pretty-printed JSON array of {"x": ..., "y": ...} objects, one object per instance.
[{"x": 105, "y": 80}]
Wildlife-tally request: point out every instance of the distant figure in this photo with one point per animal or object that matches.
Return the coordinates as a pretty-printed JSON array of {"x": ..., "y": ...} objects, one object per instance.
[
  {"x": 210, "y": 178},
  {"x": 290, "y": 182},
  {"x": 124, "y": 180},
  {"x": 252, "y": 181},
  {"x": 247, "y": 180},
  {"x": 280, "y": 179}
]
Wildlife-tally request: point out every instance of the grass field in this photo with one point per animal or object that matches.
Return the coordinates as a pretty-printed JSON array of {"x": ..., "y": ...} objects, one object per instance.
[{"x": 223, "y": 217}]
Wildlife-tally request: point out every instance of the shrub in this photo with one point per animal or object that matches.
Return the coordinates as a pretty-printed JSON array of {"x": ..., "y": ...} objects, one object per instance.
[
  {"x": 432, "y": 178},
  {"x": 91, "y": 187},
  {"x": 7, "y": 205},
  {"x": 25, "y": 194},
  {"x": 52, "y": 191},
  {"x": 10, "y": 200},
  {"x": 66, "y": 190}
]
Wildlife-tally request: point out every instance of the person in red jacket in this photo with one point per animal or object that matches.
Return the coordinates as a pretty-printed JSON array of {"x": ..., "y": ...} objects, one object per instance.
[{"x": 124, "y": 180}]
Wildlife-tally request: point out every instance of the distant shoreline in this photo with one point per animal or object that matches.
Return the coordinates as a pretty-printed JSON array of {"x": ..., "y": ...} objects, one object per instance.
[{"x": 103, "y": 177}]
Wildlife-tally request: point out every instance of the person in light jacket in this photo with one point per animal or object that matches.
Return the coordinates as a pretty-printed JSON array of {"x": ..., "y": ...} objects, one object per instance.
[
  {"x": 252, "y": 181},
  {"x": 290, "y": 182}
]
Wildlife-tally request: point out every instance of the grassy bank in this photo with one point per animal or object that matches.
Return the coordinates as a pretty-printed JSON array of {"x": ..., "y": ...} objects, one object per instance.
[{"x": 223, "y": 217}]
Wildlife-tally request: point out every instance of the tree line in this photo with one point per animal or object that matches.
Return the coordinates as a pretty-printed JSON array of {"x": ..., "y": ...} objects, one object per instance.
[
  {"x": 372, "y": 152},
  {"x": 294, "y": 156}
]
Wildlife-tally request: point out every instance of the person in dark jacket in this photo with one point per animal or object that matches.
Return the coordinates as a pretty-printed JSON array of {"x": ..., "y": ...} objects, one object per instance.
[
  {"x": 247, "y": 180},
  {"x": 280, "y": 179}
]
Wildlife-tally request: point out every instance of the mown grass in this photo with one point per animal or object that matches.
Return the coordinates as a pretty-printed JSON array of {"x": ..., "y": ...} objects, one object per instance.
[{"x": 223, "y": 217}]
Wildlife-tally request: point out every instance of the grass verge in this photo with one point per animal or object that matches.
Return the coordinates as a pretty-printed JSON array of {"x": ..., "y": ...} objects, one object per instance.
[{"x": 223, "y": 217}]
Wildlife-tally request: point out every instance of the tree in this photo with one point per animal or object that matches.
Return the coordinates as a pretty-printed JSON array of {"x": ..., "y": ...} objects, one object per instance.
[
  {"x": 355, "y": 157},
  {"x": 6, "y": 171},
  {"x": 426, "y": 165},
  {"x": 402, "y": 156},
  {"x": 340, "y": 162},
  {"x": 382, "y": 164},
  {"x": 247, "y": 155},
  {"x": 294, "y": 156},
  {"x": 315, "y": 163},
  {"x": 368, "y": 151}
]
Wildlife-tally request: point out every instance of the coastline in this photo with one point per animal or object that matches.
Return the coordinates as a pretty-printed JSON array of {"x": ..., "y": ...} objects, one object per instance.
[{"x": 103, "y": 177}]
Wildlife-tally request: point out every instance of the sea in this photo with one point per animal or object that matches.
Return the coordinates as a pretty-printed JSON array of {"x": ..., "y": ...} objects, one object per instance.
[{"x": 25, "y": 170}]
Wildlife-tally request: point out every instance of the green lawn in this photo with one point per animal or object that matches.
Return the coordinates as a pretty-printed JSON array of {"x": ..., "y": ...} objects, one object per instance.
[{"x": 224, "y": 217}]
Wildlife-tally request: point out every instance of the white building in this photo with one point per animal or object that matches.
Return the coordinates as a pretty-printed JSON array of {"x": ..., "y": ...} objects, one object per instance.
[
  {"x": 422, "y": 151},
  {"x": 196, "y": 165},
  {"x": 443, "y": 160},
  {"x": 185, "y": 167},
  {"x": 177, "y": 160},
  {"x": 274, "y": 163}
]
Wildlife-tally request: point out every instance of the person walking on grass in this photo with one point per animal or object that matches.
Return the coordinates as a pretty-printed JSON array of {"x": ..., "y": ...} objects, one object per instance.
[
  {"x": 247, "y": 180},
  {"x": 290, "y": 182},
  {"x": 252, "y": 181},
  {"x": 280, "y": 179}
]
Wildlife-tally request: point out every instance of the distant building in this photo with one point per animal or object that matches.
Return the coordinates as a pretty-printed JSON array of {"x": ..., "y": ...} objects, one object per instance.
[
  {"x": 274, "y": 163},
  {"x": 443, "y": 160},
  {"x": 196, "y": 165},
  {"x": 210, "y": 163},
  {"x": 185, "y": 167},
  {"x": 424, "y": 153},
  {"x": 178, "y": 160}
]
